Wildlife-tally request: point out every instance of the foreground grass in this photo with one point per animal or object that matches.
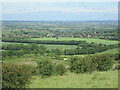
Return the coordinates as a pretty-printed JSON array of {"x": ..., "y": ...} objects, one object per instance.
[
  {"x": 107, "y": 79},
  {"x": 107, "y": 42}
]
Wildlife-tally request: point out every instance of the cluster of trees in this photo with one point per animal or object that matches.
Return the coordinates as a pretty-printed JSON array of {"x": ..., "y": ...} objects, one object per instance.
[
  {"x": 88, "y": 50},
  {"x": 91, "y": 63},
  {"x": 20, "y": 50},
  {"x": 31, "y": 47},
  {"x": 83, "y": 48}
]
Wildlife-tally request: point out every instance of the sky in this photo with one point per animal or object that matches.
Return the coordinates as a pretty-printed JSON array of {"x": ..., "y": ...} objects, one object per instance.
[{"x": 59, "y": 11}]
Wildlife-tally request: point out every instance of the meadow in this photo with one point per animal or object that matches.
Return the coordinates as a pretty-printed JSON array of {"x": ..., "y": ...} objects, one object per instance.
[
  {"x": 111, "y": 51},
  {"x": 89, "y": 40}
]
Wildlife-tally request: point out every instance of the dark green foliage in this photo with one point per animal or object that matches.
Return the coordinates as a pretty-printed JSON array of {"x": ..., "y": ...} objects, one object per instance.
[
  {"x": 117, "y": 57},
  {"x": 47, "y": 68},
  {"x": 59, "y": 69},
  {"x": 16, "y": 76},
  {"x": 21, "y": 49},
  {"x": 82, "y": 65},
  {"x": 58, "y": 51},
  {"x": 91, "y": 63},
  {"x": 105, "y": 62},
  {"x": 87, "y": 48},
  {"x": 78, "y": 66}
]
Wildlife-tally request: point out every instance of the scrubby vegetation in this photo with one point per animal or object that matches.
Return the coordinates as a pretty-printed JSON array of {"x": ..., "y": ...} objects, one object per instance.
[
  {"x": 16, "y": 76},
  {"x": 47, "y": 68},
  {"x": 91, "y": 63},
  {"x": 19, "y": 75}
]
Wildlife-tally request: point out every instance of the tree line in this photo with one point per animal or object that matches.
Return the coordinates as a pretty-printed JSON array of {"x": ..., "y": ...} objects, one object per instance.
[
  {"x": 22, "y": 49},
  {"x": 26, "y": 40}
]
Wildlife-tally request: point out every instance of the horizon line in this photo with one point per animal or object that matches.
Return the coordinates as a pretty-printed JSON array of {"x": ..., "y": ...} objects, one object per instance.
[{"x": 54, "y": 20}]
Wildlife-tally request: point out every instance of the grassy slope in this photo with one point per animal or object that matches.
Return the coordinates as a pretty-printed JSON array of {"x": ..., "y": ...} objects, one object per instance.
[
  {"x": 70, "y": 80},
  {"x": 107, "y": 79},
  {"x": 84, "y": 39}
]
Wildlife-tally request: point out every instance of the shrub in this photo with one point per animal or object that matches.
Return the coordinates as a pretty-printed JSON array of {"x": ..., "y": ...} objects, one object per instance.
[
  {"x": 91, "y": 63},
  {"x": 46, "y": 68},
  {"x": 60, "y": 69},
  {"x": 105, "y": 62},
  {"x": 77, "y": 65},
  {"x": 16, "y": 76}
]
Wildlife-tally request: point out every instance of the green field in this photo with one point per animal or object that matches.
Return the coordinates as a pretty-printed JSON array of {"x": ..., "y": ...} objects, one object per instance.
[
  {"x": 5, "y": 43},
  {"x": 107, "y": 42},
  {"x": 111, "y": 51},
  {"x": 48, "y": 45},
  {"x": 108, "y": 79}
]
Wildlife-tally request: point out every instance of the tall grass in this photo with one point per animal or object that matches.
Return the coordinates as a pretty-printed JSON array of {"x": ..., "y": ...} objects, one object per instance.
[{"x": 108, "y": 79}]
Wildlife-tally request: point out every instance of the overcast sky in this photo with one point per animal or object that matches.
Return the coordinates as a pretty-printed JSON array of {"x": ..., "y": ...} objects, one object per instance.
[{"x": 60, "y": 11}]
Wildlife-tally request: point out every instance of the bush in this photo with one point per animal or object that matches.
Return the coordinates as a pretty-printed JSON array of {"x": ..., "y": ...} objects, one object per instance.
[
  {"x": 105, "y": 62},
  {"x": 91, "y": 63},
  {"x": 46, "y": 68},
  {"x": 82, "y": 65},
  {"x": 60, "y": 69},
  {"x": 16, "y": 76}
]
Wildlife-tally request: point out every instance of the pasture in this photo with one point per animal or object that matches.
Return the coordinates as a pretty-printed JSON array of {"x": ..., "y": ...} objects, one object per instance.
[
  {"x": 111, "y": 51},
  {"x": 48, "y": 46},
  {"x": 107, "y": 42}
]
